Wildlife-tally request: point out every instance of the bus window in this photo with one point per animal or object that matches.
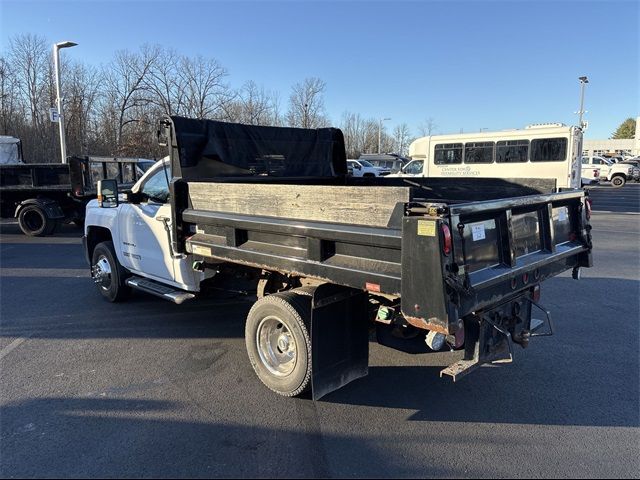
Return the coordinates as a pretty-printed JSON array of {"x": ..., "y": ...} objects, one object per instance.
[
  {"x": 478, "y": 152},
  {"x": 447, "y": 153},
  {"x": 512, "y": 151},
  {"x": 549, "y": 150}
]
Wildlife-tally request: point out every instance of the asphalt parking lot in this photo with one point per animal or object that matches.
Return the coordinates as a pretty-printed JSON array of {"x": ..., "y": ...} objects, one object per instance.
[{"x": 151, "y": 389}]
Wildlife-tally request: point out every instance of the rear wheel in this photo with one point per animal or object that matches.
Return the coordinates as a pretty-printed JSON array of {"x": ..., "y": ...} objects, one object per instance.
[
  {"x": 35, "y": 222},
  {"x": 278, "y": 341},
  {"x": 108, "y": 274},
  {"x": 618, "y": 181}
]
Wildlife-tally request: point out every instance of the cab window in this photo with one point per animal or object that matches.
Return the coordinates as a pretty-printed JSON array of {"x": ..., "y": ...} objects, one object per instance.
[
  {"x": 156, "y": 188},
  {"x": 414, "y": 167}
]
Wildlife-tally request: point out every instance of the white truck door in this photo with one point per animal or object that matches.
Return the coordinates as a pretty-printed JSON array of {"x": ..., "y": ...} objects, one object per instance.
[{"x": 144, "y": 240}]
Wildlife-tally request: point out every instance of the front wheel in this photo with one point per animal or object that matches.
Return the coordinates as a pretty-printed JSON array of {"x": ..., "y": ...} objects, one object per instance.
[
  {"x": 618, "y": 181},
  {"x": 278, "y": 341},
  {"x": 108, "y": 274}
]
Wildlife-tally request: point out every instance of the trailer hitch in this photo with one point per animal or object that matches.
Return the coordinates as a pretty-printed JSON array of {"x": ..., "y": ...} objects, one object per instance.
[{"x": 484, "y": 342}]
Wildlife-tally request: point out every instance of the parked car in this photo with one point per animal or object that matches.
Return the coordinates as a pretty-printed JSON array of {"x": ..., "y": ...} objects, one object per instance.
[
  {"x": 636, "y": 168},
  {"x": 617, "y": 174},
  {"x": 386, "y": 161},
  {"x": 362, "y": 168}
]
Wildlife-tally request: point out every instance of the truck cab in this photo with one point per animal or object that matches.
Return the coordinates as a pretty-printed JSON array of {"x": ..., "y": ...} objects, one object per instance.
[
  {"x": 10, "y": 151},
  {"x": 139, "y": 229}
]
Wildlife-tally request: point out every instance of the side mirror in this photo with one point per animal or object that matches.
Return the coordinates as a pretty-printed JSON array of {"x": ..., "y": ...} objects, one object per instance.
[{"x": 108, "y": 193}]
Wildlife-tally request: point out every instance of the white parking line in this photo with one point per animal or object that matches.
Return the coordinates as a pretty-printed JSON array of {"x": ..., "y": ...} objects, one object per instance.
[
  {"x": 12, "y": 346},
  {"x": 45, "y": 272}
]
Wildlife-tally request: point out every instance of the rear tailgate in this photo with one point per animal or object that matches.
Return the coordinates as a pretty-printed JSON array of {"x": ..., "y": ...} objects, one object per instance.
[{"x": 502, "y": 247}]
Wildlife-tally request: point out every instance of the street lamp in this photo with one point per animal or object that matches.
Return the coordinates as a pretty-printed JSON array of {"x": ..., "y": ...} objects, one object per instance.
[
  {"x": 583, "y": 82},
  {"x": 380, "y": 131},
  {"x": 56, "y": 66}
]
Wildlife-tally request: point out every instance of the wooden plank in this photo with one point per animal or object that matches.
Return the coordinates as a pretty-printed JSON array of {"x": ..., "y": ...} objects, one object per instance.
[{"x": 363, "y": 205}]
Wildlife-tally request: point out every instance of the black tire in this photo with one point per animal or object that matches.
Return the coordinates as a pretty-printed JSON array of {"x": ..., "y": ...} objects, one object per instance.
[
  {"x": 35, "y": 222},
  {"x": 293, "y": 312},
  {"x": 618, "y": 181},
  {"x": 104, "y": 264}
]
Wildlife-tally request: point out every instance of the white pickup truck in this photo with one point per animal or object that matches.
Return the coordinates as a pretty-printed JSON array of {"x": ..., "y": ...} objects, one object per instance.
[
  {"x": 362, "y": 168},
  {"x": 616, "y": 173}
]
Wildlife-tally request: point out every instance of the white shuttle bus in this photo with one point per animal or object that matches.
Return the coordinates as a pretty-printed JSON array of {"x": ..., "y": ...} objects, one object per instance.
[{"x": 537, "y": 151}]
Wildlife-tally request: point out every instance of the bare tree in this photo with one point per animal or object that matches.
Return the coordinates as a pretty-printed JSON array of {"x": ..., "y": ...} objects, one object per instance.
[
  {"x": 401, "y": 139},
  {"x": 427, "y": 127},
  {"x": 9, "y": 111},
  {"x": 255, "y": 105},
  {"x": 361, "y": 135},
  {"x": 306, "y": 104},
  {"x": 81, "y": 89},
  {"x": 31, "y": 63},
  {"x": 125, "y": 91},
  {"x": 206, "y": 95},
  {"x": 166, "y": 88}
]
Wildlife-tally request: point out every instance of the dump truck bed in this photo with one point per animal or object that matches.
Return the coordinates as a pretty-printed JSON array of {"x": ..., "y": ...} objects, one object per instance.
[{"x": 385, "y": 238}]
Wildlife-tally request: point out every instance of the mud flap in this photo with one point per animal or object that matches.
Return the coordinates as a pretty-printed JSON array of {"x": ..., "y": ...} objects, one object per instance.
[{"x": 339, "y": 338}]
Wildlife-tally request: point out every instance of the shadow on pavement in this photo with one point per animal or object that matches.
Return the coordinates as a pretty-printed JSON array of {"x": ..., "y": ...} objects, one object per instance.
[{"x": 89, "y": 437}]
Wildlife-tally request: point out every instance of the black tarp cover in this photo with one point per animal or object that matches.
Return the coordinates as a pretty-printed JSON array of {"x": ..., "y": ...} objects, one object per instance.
[{"x": 209, "y": 149}]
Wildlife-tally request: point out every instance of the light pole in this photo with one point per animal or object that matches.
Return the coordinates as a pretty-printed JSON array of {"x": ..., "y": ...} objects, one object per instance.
[
  {"x": 380, "y": 131},
  {"x": 56, "y": 66},
  {"x": 583, "y": 82}
]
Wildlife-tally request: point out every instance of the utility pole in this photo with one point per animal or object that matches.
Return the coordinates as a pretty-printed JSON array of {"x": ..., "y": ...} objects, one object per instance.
[
  {"x": 56, "y": 65},
  {"x": 583, "y": 82}
]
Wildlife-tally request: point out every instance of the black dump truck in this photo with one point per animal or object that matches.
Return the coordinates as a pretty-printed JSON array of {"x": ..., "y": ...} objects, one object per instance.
[
  {"x": 426, "y": 264},
  {"x": 44, "y": 195}
]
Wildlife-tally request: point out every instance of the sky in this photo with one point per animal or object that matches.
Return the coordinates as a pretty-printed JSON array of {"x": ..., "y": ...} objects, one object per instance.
[{"x": 469, "y": 65}]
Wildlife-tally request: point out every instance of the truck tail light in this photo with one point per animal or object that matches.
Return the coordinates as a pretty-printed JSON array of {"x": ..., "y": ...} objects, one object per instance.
[
  {"x": 446, "y": 239},
  {"x": 587, "y": 208},
  {"x": 535, "y": 293}
]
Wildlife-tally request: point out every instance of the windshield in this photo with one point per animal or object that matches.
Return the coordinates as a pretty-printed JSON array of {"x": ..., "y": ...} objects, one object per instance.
[{"x": 365, "y": 163}]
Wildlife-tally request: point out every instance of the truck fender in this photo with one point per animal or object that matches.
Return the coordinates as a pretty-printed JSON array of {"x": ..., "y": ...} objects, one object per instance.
[{"x": 50, "y": 207}]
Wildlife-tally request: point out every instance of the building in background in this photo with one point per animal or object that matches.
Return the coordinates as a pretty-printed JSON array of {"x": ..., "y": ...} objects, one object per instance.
[{"x": 625, "y": 146}]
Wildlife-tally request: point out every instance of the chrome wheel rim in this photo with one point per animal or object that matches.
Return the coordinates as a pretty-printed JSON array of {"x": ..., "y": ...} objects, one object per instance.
[
  {"x": 276, "y": 346},
  {"x": 102, "y": 273}
]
